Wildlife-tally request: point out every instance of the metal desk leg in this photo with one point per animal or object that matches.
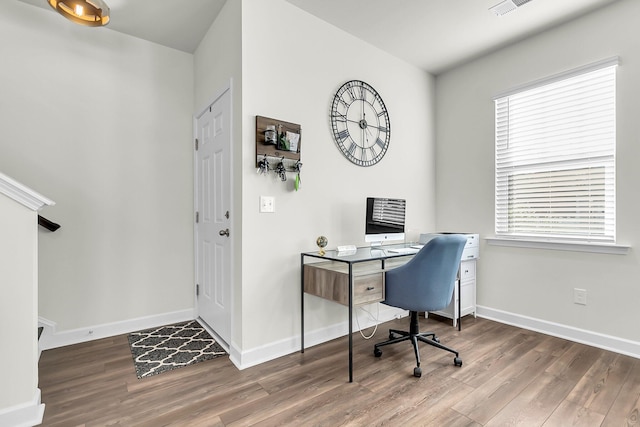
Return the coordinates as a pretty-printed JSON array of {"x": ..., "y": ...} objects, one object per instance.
[
  {"x": 350, "y": 323},
  {"x": 301, "y": 303},
  {"x": 459, "y": 305}
]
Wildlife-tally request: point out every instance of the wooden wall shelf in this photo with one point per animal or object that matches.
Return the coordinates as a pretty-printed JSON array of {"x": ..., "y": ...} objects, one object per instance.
[{"x": 270, "y": 150}]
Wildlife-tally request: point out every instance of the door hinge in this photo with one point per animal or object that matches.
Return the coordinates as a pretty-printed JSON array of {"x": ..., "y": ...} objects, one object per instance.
[
  {"x": 197, "y": 290},
  {"x": 197, "y": 217},
  {"x": 197, "y": 144}
]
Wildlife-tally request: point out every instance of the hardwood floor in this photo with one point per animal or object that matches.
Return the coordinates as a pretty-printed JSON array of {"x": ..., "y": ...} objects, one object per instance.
[{"x": 510, "y": 376}]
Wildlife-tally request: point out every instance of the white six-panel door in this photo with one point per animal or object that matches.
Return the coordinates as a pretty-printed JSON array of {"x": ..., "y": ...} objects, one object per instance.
[{"x": 213, "y": 270}]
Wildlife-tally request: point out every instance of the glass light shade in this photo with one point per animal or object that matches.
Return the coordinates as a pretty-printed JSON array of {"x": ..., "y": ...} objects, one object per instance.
[{"x": 91, "y": 13}]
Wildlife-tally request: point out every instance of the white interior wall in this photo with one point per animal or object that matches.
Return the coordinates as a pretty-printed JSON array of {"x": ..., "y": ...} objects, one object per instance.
[
  {"x": 533, "y": 282},
  {"x": 293, "y": 63},
  {"x": 102, "y": 123},
  {"x": 18, "y": 304}
]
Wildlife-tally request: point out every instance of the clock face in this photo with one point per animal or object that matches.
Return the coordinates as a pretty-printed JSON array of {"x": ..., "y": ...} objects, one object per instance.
[{"x": 360, "y": 123}]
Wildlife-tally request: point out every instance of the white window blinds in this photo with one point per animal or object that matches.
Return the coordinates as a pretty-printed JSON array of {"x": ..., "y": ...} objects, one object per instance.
[{"x": 555, "y": 157}]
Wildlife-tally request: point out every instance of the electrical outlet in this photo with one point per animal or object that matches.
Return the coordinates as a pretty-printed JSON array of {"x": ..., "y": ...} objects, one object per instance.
[
  {"x": 580, "y": 296},
  {"x": 267, "y": 204}
]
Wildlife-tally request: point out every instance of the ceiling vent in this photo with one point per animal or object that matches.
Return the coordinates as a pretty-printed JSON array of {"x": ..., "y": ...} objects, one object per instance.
[{"x": 507, "y": 6}]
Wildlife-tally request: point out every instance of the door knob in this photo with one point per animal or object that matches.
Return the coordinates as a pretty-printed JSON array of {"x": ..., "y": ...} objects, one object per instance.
[{"x": 224, "y": 232}]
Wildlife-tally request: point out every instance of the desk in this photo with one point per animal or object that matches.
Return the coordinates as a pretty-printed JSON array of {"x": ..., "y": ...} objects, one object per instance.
[{"x": 352, "y": 279}]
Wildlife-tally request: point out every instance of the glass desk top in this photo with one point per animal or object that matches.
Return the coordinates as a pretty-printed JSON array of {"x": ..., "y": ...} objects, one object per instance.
[{"x": 367, "y": 253}]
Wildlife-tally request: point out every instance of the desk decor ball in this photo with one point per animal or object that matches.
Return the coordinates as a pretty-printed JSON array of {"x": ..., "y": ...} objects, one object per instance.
[{"x": 322, "y": 243}]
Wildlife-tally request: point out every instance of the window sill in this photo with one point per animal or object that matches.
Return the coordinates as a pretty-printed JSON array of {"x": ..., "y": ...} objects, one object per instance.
[{"x": 602, "y": 248}]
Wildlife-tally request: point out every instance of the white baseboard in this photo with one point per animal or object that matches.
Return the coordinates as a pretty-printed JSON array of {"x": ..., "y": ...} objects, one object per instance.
[
  {"x": 248, "y": 358},
  {"x": 244, "y": 359},
  {"x": 594, "y": 339},
  {"x": 52, "y": 339},
  {"x": 24, "y": 415}
]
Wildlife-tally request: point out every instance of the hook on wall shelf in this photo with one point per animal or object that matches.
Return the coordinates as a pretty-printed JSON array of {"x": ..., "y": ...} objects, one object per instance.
[{"x": 272, "y": 163}]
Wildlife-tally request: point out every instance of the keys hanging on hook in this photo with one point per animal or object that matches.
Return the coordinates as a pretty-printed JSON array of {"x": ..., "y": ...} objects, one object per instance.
[
  {"x": 297, "y": 168},
  {"x": 263, "y": 166},
  {"x": 297, "y": 182},
  {"x": 281, "y": 170}
]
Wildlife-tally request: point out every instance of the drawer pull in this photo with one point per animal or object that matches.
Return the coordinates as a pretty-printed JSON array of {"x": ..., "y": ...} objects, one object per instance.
[{"x": 370, "y": 288}]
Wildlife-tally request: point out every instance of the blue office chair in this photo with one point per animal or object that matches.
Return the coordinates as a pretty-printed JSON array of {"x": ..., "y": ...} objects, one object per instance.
[{"x": 425, "y": 283}]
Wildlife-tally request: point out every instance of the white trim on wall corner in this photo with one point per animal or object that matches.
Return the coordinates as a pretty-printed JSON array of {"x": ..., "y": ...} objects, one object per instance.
[
  {"x": 23, "y": 194},
  {"x": 23, "y": 415},
  {"x": 267, "y": 352},
  {"x": 52, "y": 339},
  {"x": 594, "y": 339}
]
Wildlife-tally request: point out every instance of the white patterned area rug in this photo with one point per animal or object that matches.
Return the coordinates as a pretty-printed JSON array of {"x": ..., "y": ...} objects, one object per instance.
[{"x": 170, "y": 347}]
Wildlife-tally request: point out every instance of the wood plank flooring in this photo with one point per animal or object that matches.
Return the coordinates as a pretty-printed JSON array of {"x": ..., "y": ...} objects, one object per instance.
[{"x": 509, "y": 377}]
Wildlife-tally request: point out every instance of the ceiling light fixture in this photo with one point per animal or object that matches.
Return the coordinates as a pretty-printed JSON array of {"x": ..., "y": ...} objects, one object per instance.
[
  {"x": 92, "y": 13},
  {"x": 507, "y": 6}
]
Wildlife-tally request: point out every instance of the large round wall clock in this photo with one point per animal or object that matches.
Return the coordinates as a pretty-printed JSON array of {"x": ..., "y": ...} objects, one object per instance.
[{"x": 360, "y": 123}]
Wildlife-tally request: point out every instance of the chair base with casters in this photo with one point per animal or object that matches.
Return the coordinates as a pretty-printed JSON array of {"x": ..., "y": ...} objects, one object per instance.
[{"x": 414, "y": 335}]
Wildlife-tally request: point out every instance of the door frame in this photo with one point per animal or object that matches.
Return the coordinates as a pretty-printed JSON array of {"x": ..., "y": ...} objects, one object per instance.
[{"x": 228, "y": 87}]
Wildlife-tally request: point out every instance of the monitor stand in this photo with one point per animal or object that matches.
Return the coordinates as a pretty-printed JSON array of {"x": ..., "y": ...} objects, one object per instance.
[{"x": 377, "y": 246}]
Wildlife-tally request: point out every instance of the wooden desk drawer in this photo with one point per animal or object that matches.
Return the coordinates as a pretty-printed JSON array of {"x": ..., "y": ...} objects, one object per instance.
[
  {"x": 331, "y": 281},
  {"x": 368, "y": 289}
]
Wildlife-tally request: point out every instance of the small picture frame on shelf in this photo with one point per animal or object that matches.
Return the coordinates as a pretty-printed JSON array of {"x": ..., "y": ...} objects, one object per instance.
[{"x": 293, "y": 139}]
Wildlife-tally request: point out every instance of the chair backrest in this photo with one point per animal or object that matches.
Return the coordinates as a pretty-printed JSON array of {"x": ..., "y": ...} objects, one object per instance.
[{"x": 425, "y": 283}]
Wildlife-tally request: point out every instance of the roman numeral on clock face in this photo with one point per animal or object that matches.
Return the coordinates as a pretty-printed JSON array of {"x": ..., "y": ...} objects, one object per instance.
[
  {"x": 339, "y": 117},
  {"x": 343, "y": 134}
]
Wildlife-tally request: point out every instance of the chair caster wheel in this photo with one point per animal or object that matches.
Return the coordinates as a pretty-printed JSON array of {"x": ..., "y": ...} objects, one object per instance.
[
  {"x": 457, "y": 361},
  {"x": 377, "y": 352},
  {"x": 417, "y": 372}
]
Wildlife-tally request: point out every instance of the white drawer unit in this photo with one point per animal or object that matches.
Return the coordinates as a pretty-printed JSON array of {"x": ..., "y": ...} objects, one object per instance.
[{"x": 465, "y": 289}]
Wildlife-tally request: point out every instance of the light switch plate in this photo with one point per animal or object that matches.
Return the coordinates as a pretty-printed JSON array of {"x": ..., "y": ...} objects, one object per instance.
[
  {"x": 267, "y": 204},
  {"x": 580, "y": 296}
]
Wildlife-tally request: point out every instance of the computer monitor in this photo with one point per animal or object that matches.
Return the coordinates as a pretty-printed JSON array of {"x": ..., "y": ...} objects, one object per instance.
[{"x": 384, "y": 220}]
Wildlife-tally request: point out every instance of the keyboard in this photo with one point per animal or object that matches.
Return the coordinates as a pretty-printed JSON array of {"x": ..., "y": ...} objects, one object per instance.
[{"x": 404, "y": 251}]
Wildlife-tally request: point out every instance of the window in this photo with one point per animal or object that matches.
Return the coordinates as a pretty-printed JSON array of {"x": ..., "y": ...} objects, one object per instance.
[{"x": 555, "y": 157}]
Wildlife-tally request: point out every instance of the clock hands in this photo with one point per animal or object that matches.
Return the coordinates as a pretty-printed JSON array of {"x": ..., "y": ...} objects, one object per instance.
[
  {"x": 368, "y": 131},
  {"x": 362, "y": 124}
]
